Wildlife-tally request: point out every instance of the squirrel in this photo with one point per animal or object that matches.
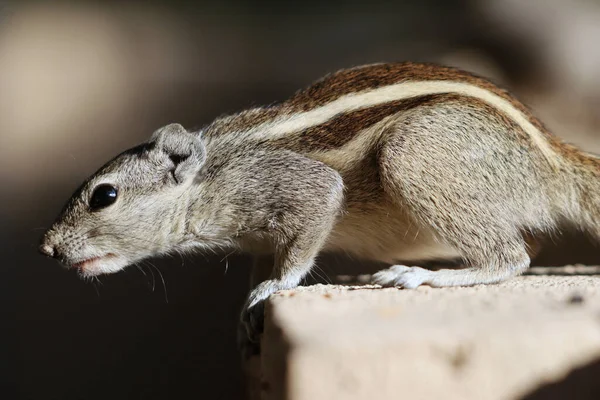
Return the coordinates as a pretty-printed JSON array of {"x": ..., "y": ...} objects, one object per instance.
[{"x": 386, "y": 162}]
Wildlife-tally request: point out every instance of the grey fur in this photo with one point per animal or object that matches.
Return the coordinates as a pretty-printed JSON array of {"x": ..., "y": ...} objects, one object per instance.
[{"x": 452, "y": 177}]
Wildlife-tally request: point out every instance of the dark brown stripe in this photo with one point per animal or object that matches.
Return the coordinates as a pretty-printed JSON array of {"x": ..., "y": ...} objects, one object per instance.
[
  {"x": 369, "y": 77},
  {"x": 359, "y": 79},
  {"x": 344, "y": 127}
]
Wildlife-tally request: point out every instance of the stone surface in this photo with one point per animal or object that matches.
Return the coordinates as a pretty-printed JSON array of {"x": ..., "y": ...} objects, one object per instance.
[{"x": 508, "y": 341}]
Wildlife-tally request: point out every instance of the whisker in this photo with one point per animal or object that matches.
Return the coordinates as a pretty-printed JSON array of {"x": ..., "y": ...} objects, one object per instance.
[
  {"x": 141, "y": 270},
  {"x": 152, "y": 274},
  {"x": 226, "y": 258},
  {"x": 322, "y": 274},
  {"x": 95, "y": 287},
  {"x": 163, "y": 281}
]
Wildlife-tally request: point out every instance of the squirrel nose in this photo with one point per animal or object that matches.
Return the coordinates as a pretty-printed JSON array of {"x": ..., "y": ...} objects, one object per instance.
[{"x": 47, "y": 250}]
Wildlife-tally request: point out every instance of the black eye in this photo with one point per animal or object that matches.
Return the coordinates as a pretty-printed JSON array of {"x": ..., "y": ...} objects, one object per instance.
[{"x": 103, "y": 196}]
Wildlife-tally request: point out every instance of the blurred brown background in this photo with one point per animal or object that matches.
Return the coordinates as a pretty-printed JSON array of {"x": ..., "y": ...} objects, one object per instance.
[{"x": 82, "y": 81}]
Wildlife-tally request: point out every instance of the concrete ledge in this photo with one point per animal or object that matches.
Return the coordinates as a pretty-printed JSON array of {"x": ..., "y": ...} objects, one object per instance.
[{"x": 507, "y": 341}]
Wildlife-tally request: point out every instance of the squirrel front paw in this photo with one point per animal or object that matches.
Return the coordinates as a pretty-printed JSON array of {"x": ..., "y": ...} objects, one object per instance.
[{"x": 252, "y": 319}]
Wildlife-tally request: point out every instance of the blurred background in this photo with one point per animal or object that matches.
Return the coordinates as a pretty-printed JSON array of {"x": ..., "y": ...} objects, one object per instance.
[{"x": 82, "y": 81}]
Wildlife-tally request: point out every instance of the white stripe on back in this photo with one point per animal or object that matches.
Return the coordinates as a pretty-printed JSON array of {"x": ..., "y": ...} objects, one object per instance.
[{"x": 400, "y": 91}]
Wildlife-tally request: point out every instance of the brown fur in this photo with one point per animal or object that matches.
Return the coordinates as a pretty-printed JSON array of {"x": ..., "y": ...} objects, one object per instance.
[{"x": 374, "y": 76}]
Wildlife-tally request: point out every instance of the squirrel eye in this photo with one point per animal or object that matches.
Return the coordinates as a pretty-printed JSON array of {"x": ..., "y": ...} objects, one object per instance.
[{"x": 103, "y": 196}]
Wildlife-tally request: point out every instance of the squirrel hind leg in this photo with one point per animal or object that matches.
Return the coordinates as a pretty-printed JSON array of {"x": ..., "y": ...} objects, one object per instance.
[
  {"x": 456, "y": 202},
  {"x": 490, "y": 264},
  {"x": 413, "y": 277}
]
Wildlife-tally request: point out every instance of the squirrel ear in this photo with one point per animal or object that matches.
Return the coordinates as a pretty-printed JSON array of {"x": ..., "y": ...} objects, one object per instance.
[{"x": 185, "y": 149}]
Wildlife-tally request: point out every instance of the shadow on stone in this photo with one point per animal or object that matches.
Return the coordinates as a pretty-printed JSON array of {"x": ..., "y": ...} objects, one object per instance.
[{"x": 581, "y": 384}]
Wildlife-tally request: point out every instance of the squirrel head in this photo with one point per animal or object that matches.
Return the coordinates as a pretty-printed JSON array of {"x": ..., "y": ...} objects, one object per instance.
[{"x": 132, "y": 208}]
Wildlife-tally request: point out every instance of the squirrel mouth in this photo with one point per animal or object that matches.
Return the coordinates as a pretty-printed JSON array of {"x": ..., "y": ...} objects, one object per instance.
[{"x": 81, "y": 266}]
